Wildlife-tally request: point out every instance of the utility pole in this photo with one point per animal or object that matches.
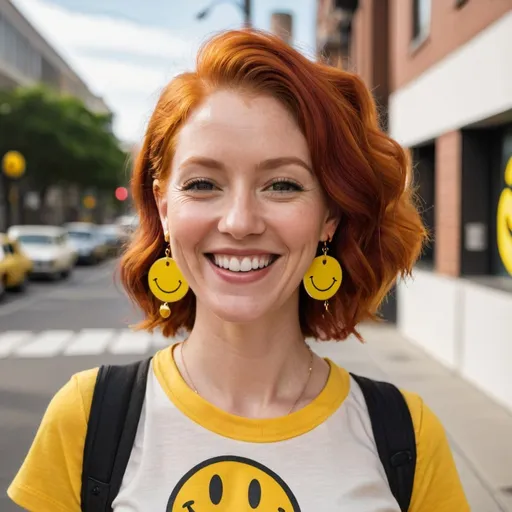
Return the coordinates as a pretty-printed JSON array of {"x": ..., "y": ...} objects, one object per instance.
[{"x": 247, "y": 13}]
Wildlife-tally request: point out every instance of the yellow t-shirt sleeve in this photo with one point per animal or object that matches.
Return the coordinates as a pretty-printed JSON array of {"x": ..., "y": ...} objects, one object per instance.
[
  {"x": 50, "y": 478},
  {"x": 437, "y": 484}
]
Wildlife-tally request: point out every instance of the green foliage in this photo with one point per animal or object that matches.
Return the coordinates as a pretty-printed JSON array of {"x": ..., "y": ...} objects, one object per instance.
[{"x": 62, "y": 141}]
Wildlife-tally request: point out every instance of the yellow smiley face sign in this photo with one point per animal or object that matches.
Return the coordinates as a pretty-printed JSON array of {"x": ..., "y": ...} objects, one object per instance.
[
  {"x": 323, "y": 278},
  {"x": 504, "y": 220},
  {"x": 13, "y": 164},
  {"x": 166, "y": 281},
  {"x": 231, "y": 484}
]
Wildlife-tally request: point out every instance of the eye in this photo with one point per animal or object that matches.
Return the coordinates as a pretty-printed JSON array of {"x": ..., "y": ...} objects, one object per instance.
[
  {"x": 199, "y": 184},
  {"x": 285, "y": 185}
]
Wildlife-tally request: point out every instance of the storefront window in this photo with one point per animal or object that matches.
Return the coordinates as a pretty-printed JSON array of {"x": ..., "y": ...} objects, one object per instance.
[{"x": 503, "y": 210}]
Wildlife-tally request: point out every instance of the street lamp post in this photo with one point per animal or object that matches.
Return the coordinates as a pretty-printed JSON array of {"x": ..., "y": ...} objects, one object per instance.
[
  {"x": 244, "y": 6},
  {"x": 13, "y": 167}
]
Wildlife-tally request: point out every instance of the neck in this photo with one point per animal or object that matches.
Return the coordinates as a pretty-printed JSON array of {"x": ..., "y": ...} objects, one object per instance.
[{"x": 254, "y": 370}]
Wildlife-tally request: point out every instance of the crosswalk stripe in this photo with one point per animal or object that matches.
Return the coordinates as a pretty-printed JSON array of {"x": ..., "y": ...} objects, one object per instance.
[
  {"x": 9, "y": 340},
  {"x": 86, "y": 342},
  {"x": 89, "y": 342},
  {"x": 128, "y": 342},
  {"x": 45, "y": 344}
]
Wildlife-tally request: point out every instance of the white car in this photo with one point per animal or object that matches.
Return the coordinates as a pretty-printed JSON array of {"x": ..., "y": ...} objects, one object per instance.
[
  {"x": 47, "y": 247},
  {"x": 86, "y": 239}
]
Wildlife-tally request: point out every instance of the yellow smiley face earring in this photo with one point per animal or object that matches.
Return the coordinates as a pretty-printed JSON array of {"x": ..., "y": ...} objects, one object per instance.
[
  {"x": 323, "y": 278},
  {"x": 166, "y": 281}
]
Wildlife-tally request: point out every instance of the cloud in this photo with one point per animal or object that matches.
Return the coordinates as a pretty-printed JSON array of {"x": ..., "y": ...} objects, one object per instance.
[
  {"x": 99, "y": 32},
  {"x": 93, "y": 44},
  {"x": 109, "y": 75}
]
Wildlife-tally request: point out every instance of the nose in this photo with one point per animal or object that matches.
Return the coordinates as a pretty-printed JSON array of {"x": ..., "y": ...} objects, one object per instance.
[{"x": 242, "y": 216}]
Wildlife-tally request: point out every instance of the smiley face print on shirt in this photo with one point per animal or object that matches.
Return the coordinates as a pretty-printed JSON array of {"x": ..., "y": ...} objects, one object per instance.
[{"x": 230, "y": 483}]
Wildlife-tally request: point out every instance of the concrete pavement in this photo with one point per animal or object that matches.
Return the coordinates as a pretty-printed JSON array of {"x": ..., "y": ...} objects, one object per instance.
[{"x": 479, "y": 430}]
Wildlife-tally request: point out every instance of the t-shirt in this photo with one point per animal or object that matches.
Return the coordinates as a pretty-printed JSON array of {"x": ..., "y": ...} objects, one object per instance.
[{"x": 190, "y": 456}]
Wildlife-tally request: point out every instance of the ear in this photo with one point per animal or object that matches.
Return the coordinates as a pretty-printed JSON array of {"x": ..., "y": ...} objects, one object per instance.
[
  {"x": 161, "y": 203},
  {"x": 330, "y": 226}
]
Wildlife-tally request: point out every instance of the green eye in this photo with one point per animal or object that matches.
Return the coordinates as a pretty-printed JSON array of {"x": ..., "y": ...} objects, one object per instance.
[
  {"x": 285, "y": 186},
  {"x": 199, "y": 185}
]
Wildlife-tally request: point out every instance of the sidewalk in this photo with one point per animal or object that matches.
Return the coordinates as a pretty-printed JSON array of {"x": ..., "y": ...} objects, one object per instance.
[{"x": 479, "y": 430}]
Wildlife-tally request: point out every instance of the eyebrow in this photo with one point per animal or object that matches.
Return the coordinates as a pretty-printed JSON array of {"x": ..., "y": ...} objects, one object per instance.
[
  {"x": 274, "y": 163},
  {"x": 266, "y": 165}
]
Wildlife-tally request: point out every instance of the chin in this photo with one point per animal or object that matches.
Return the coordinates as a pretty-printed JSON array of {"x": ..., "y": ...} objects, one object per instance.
[{"x": 241, "y": 310}]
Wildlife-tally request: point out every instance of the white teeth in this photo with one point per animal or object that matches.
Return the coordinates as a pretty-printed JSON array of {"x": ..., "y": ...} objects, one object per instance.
[
  {"x": 234, "y": 265},
  {"x": 245, "y": 264}
]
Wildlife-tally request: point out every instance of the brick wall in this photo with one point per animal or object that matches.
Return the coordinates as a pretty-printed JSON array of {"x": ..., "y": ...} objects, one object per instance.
[
  {"x": 450, "y": 28},
  {"x": 447, "y": 203}
]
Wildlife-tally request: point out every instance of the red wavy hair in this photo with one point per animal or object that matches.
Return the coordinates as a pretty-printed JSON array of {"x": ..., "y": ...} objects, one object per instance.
[{"x": 365, "y": 174}]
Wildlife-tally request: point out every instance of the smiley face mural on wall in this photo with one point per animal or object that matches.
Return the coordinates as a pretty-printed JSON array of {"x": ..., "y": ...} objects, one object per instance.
[
  {"x": 229, "y": 484},
  {"x": 504, "y": 220}
]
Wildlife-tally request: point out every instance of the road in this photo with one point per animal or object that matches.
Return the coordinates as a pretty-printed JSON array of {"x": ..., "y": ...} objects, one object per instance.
[{"x": 49, "y": 332}]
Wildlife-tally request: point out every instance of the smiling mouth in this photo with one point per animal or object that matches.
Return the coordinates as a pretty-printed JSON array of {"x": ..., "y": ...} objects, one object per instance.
[
  {"x": 188, "y": 505},
  {"x": 242, "y": 264},
  {"x": 322, "y": 289},
  {"x": 165, "y": 291}
]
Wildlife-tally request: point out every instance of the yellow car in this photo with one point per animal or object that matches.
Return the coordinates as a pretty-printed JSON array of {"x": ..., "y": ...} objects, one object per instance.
[{"x": 14, "y": 265}]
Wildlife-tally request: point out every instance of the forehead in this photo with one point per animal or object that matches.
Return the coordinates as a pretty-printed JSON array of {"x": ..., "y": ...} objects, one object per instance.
[{"x": 230, "y": 123}]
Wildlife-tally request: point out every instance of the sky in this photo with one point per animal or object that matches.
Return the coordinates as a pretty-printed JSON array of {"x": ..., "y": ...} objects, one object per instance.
[{"x": 127, "y": 50}]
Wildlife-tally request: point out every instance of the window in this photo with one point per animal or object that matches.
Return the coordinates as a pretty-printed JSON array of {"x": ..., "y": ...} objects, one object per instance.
[
  {"x": 424, "y": 158},
  {"x": 37, "y": 239},
  {"x": 421, "y": 11}
]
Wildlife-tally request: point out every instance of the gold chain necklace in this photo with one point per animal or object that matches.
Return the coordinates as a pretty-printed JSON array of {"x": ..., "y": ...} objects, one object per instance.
[{"x": 310, "y": 370}]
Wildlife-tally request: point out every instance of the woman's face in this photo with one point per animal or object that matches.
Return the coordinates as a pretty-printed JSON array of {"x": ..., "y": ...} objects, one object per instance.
[{"x": 243, "y": 208}]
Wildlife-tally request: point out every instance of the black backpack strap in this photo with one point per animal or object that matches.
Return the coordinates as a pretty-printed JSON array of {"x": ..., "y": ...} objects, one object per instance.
[
  {"x": 393, "y": 431},
  {"x": 113, "y": 421}
]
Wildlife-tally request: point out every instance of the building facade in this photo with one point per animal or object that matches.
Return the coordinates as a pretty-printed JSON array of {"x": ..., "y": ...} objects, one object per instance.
[
  {"x": 441, "y": 71},
  {"x": 27, "y": 59}
]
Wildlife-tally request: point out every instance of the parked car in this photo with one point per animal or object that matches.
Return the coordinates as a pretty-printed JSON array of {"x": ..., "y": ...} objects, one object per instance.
[
  {"x": 16, "y": 266},
  {"x": 113, "y": 237},
  {"x": 85, "y": 238},
  {"x": 47, "y": 247}
]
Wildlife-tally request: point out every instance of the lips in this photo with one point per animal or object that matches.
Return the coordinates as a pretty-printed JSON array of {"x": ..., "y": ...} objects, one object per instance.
[{"x": 242, "y": 263}]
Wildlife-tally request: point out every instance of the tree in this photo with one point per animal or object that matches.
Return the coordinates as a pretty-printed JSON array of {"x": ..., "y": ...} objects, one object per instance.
[{"x": 64, "y": 143}]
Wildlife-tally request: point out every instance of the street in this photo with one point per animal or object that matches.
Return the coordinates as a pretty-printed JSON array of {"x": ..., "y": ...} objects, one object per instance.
[
  {"x": 48, "y": 333},
  {"x": 55, "y": 329}
]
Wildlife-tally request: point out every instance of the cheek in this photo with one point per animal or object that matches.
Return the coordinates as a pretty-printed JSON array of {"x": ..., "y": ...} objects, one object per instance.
[
  {"x": 300, "y": 224},
  {"x": 189, "y": 221}
]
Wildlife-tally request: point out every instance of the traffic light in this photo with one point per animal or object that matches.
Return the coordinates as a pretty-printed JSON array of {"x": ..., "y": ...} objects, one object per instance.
[{"x": 121, "y": 193}]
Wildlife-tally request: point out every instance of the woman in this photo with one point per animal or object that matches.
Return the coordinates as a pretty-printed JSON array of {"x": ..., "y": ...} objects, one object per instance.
[{"x": 272, "y": 208}]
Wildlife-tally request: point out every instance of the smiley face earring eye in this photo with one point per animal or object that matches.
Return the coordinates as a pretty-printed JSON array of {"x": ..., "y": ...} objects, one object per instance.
[
  {"x": 323, "y": 278},
  {"x": 166, "y": 281}
]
